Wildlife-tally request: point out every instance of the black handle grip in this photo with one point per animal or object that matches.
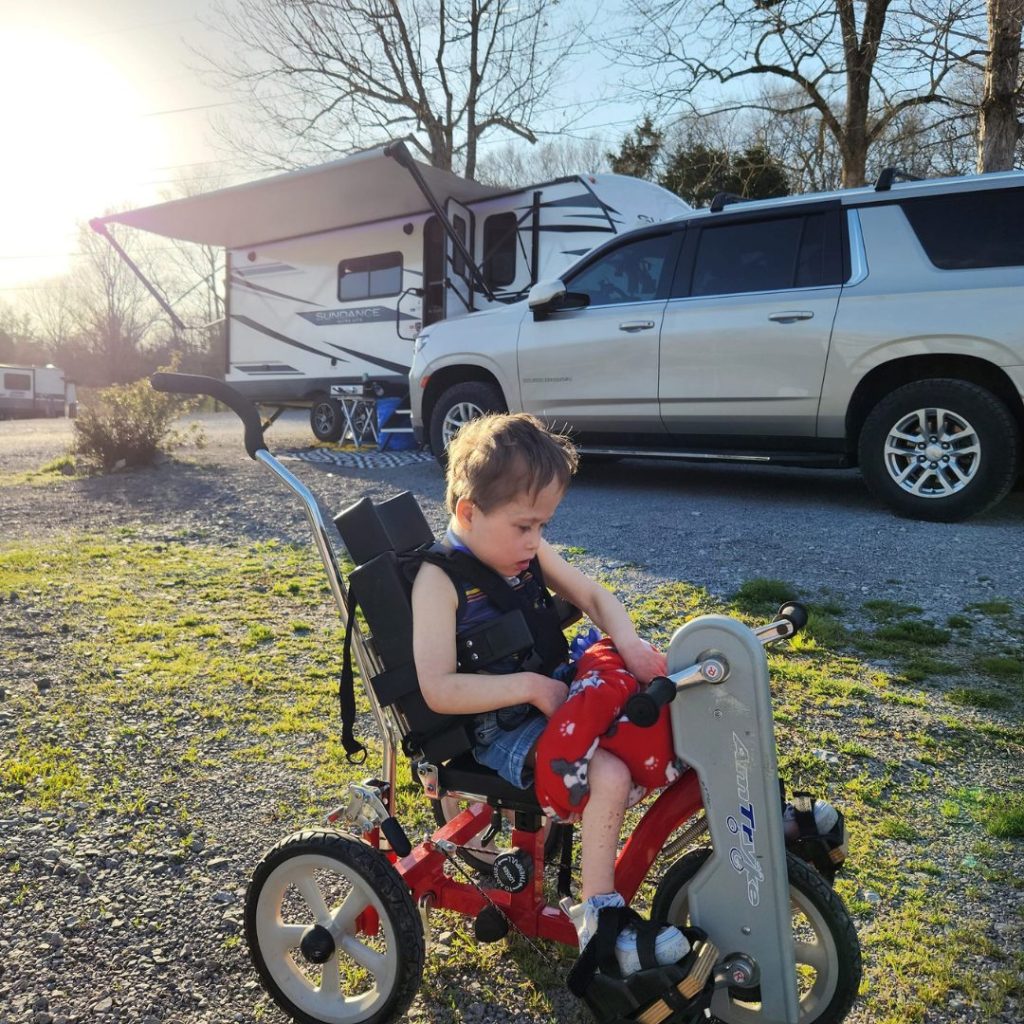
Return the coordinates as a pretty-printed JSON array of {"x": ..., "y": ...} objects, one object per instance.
[
  {"x": 395, "y": 835},
  {"x": 195, "y": 384},
  {"x": 796, "y": 613},
  {"x": 643, "y": 708}
]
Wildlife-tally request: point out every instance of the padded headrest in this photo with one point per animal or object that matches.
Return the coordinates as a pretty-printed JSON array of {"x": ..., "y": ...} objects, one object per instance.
[{"x": 368, "y": 530}]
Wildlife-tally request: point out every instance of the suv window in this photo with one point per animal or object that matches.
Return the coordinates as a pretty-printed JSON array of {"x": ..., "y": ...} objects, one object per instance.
[
  {"x": 633, "y": 272},
  {"x": 370, "y": 277},
  {"x": 800, "y": 251},
  {"x": 964, "y": 230}
]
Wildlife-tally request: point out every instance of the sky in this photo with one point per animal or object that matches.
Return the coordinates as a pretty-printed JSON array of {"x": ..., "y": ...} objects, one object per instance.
[
  {"x": 100, "y": 108},
  {"x": 103, "y": 107}
]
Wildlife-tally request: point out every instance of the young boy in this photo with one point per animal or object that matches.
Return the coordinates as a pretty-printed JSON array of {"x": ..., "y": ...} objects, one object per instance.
[{"x": 506, "y": 477}]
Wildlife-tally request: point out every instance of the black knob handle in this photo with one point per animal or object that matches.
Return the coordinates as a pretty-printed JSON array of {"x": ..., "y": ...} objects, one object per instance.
[
  {"x": 796, "y": 613},
  {"x": 643, "y": 708}
]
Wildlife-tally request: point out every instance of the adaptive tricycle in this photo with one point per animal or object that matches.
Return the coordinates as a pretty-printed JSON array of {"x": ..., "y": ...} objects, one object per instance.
[{"x": 337, "y": 919}]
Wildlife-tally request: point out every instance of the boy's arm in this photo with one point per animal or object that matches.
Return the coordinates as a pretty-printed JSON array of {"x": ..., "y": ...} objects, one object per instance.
[
  {"x": 605, "y": 610},
  {"x": 434, "y": 604}
]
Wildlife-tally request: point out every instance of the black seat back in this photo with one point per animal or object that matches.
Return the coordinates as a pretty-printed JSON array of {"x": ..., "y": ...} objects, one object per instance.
[{"x": 378, "y": 538}]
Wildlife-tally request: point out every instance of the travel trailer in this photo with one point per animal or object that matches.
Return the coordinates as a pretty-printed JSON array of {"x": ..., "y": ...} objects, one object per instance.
[
  {"x": 35, "y": 391},
  {"x": 332, "y": 271}
]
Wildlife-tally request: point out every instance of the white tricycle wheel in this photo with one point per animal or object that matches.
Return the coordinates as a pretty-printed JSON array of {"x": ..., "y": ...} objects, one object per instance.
[{"x": 333, "y": 932}]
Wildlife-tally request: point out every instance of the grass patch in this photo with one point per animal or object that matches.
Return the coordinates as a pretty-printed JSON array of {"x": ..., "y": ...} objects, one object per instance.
[
  {"x": 53, "y": 472},
  {"x": 1003, "y": 817},
  {"x": 913, "y": 631},
  {"x": 761, "y": 596},
  {"x": 968, "y": 696},
  {"x": 1002, "y": 667},
  {"x": 997, "y": 606},
  {"x": 881, "y": 610}
]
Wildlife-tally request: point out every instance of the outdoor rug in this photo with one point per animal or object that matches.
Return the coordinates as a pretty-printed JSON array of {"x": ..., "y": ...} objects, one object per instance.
[{"x": 356, "y": 459}]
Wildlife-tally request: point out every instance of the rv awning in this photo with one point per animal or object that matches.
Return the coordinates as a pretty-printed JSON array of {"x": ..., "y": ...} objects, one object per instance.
[{"x": 358, "y": 189}]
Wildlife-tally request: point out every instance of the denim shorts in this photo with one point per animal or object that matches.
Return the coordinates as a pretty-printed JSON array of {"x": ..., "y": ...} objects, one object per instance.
[{"x": 507, "y": 751}]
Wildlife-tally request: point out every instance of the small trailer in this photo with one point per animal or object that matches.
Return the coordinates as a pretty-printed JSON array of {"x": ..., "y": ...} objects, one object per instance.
[
  {"x": 35, "y": 391},
  {"x": 333, "y": 270}
]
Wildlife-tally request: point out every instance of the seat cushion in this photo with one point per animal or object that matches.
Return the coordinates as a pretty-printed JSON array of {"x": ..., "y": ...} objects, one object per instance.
[{"x": 464, "y": 775}]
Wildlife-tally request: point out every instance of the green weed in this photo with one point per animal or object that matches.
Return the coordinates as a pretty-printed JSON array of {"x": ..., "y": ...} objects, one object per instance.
[
  {"x": 762, "y": 596},
  {"x": 967, "y": 696}
]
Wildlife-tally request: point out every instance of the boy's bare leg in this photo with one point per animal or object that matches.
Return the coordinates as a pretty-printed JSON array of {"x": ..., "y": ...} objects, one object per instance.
[{"x": 602, "y": 822}]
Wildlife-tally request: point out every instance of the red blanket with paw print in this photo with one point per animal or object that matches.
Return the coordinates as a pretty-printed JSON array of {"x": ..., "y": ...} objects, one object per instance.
[{"x": 592, "y": 717}]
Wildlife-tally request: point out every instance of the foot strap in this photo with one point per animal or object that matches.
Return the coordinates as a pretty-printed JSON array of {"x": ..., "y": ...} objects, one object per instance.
[{"x": 684, "y": 991}]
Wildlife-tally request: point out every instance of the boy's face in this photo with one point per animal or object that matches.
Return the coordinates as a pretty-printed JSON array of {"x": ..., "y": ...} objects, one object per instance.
[{"x": 506, "y": 538}]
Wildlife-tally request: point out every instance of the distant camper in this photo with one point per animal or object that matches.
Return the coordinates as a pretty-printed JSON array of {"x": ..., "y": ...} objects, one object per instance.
[
  {"x": 35, "y": 391},
  {"x": 332, "y": 271}
]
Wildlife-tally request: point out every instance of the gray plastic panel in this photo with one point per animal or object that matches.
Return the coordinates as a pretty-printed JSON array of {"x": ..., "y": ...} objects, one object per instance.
[{"x": 740, "y": 897}]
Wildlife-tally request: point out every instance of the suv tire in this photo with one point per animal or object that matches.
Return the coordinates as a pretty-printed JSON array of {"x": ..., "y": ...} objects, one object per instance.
[
  {"x": 458, "y": 405},
  {"x": 940, "y": 450}
]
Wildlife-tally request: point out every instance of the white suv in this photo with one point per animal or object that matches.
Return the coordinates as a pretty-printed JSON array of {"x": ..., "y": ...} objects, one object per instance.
[{"x": 877, "y": 326}]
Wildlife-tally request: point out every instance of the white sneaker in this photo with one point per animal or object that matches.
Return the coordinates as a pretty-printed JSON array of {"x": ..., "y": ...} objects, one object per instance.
[
  {"x": 670, "y": 946},
  {"x": 825, "y": 818}
]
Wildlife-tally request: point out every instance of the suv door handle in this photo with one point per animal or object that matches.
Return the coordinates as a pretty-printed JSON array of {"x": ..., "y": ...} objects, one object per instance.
[
  {"x": 636, "y": 325},
  {"x": 791, "y": 316}
]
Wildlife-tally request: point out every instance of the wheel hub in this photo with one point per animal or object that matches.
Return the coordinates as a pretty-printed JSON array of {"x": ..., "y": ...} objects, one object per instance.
[
  {"x": 932, "y": 453},
  {"x": 317, "y": 944}
]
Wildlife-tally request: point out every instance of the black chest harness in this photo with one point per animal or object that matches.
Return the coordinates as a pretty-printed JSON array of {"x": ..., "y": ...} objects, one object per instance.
[{"x": 528, "y": 632}]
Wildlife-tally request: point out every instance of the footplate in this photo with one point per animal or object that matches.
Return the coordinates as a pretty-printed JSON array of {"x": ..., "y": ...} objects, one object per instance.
[
  {"x": 740, "y": 896},
  {"x": 689, "y": 987}
]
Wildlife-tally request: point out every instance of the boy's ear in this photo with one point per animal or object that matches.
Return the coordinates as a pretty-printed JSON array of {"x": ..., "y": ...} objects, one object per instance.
[{"x": 464, "y": 512}]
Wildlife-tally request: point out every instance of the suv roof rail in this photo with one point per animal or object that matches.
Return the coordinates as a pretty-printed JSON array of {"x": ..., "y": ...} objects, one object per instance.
[
  {"x": 724, "y": 199},
  {"x": 890, "y": 174}
]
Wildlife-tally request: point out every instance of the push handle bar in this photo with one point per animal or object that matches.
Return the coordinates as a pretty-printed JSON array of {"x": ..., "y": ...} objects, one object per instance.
[
  {"x": 644, "y": 708},
  {"x": 195, "y": 384}
]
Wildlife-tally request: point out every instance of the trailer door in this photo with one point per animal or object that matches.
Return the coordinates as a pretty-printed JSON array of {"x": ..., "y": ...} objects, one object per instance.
[{"x": 458, "y": 293}]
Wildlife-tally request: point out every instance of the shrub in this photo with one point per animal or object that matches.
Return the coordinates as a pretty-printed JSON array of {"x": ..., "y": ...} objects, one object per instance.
[{"x": 128, "y": 424}]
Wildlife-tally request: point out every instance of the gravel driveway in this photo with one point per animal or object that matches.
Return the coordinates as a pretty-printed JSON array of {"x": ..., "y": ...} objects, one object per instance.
[
  {"x": 644, "y": 522},
  {"x": 712, "y": 525}
]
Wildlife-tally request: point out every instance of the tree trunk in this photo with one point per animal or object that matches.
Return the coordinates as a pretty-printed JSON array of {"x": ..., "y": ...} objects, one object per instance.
[{"x": 998, "y": 129}]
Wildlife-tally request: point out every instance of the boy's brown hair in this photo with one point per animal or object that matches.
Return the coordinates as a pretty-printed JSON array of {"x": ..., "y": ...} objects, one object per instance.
[{"x": 494, "y": 458}]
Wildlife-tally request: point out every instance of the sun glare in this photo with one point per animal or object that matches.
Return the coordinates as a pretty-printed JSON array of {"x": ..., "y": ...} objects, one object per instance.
[{"x": 75, "y": 144}]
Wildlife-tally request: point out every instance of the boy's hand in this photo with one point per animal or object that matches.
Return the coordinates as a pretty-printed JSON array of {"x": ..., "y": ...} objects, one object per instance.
[
  {"x": 643, "y": 660},
  {"x": 547, "y": 694}
]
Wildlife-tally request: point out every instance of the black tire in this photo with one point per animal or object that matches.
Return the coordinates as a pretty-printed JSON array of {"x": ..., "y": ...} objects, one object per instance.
[
  {"x": 976, "y": 468},
  {"x": 326, "y": 419},
  {"x": 824, "y": 999},
  {"x": 349, "y": 877},
  {"x": 458, "y": 404},
  {"x": 481, "y": 857}
]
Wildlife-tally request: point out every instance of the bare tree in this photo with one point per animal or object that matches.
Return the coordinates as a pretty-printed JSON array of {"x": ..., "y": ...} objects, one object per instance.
[
  {"x": 117, "y": 313},
  {"x": 330, "y": 76},
  {"x": 515, "y": 166},
  {"x": 999, "y": 126},
  {"x": 56, "y": 316},
  {"x": 856, "y": 66}
]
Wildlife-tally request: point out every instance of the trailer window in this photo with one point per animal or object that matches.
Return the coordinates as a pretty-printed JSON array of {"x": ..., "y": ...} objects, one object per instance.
[
  {"x": 458, "y": 260},
  {"x": 370, "y": 277},
  {"x": 500, "y": 236},
  {"x": 17, "y": 382}
]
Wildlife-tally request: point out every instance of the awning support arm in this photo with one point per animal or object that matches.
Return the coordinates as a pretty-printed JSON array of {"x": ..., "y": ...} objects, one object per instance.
[
  {"x": 99, "y": 226},
  {"x": 398, "y": 152}
]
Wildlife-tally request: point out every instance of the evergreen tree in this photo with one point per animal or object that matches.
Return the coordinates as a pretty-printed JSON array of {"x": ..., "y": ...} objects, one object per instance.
[{"x": 639, "y": 152}]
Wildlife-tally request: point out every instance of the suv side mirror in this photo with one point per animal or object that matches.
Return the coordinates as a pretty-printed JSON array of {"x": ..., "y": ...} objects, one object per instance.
[{"x": 547, "y": 296}]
